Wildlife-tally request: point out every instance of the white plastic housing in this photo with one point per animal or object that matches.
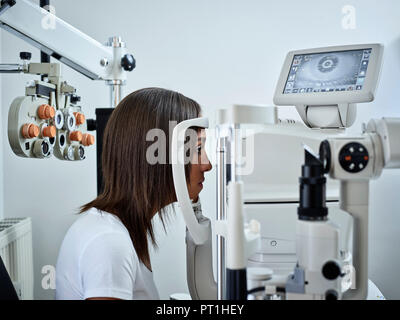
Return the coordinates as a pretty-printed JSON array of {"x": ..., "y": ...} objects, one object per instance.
[
  {"x": 388, "y": 130},
  {"x": 236, "y": 252},
  {"x": 248, "y": 114},
  {"x": 200, "y": 233},
  {"x": 317, "y": 243},
  {"x": 374, "y": 167}
]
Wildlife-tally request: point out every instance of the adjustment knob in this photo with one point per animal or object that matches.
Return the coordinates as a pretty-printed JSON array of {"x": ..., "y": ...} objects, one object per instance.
[
  {"x": 331, "y": 295},
  {"x": 331, "y": 270},
  {"x": 25, "y": 55},
  {"x": 87, "y": 139},
  {"x": 49, "y": 132},
  {"x": 75, "y": 136},
  {"x": 325, "y": 155},
  {"x": 30, "y": 130},
  {"x": 74, "y": 99},
  {"x": 46, "y": 111},
  {"x": 80, "y": 118},
  {"x": 353, "y": 157},
  {"x": 128, "y": 62}
]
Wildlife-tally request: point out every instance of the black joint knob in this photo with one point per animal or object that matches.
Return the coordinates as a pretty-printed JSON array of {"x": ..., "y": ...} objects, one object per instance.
[
  {"x": 331, "y": 295},
  {"x": 8, "y": 2},
  {"x": 128, "y": 62},
  {"x": 91, "y": 124},
  {"x": 325, "y": 155},
  {"x": 75, "y": 99},
  {"x": 25, "y": 55},
  {"x": 331, "y": 270}
]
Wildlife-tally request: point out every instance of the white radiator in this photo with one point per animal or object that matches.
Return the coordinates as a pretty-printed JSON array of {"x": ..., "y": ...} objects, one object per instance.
[{"x": 16, "y": 252}]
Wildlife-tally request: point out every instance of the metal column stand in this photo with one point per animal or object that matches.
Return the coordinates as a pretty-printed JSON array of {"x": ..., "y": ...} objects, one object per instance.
[
  {"x": 116, "y": 85},
  {"x": 103, "y": 114},
  {"x": 221, "y": 214},
  {"x": 228, "y": 138},
  {"x": 115, "y": 92}
]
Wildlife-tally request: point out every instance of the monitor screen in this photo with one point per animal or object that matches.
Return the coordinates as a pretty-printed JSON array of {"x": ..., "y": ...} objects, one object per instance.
[{"x": 328, "y": 72}]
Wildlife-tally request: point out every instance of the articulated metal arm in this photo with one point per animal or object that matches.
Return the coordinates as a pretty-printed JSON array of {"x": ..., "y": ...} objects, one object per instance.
[
  {"x": 5, "y": 5},
  {"x": 62, "y": 41}
]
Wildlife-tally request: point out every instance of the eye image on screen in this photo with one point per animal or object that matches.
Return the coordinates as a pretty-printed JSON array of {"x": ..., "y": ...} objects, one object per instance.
[{"x": 328, "y": 72}]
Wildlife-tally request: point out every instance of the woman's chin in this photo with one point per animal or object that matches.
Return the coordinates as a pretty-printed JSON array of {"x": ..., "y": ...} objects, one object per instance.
[{"x": 195, "y": 191}]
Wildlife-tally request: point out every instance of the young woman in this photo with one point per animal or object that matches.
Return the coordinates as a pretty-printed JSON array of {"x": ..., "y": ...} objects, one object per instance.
[{"x": 105, "y": 253}]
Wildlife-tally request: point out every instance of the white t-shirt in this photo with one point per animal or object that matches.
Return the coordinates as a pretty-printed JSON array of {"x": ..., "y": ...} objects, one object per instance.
[{"x": 97, "y": 259}]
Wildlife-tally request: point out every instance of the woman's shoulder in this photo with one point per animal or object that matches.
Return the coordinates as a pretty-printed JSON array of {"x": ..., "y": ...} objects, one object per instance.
[
  {"x": 102, "y": 220},
  {"x": 96, "y": 224}
]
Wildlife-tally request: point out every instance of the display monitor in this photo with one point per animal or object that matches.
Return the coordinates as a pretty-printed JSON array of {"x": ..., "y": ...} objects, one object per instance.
[
  {"x": 331, "y": 75},
  {"x": 328, "y": 72}
]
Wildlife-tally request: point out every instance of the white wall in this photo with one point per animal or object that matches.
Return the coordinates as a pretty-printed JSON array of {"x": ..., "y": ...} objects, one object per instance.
[{"x": 219, "y": 53}]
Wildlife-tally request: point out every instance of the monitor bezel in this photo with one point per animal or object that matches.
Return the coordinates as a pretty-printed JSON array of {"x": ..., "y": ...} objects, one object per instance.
[{"x": 367, "y": 94}]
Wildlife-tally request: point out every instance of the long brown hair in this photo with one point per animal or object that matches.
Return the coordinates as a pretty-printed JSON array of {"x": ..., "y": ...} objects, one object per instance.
[{"x": 133, "y": 189}]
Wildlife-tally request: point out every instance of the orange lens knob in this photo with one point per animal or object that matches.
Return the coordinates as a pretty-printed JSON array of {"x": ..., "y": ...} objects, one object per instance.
[
  {"x": 49, "y": 132},
  {"x": 50, "y": 112},
  {"x": 75, "y": 136},
  {"x": 29, "y": 131},
  {"x": 46, "y": 112},
  {"x": 80, "y": 118},
  {"x": 87, "y": 139}
]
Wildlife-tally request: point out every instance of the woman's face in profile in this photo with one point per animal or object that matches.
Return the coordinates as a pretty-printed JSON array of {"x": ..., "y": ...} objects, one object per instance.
[{"x": 199, "y": 165}]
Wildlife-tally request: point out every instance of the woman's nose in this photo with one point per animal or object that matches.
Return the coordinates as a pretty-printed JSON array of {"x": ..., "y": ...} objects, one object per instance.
[{"x": 206, "y": 165}]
